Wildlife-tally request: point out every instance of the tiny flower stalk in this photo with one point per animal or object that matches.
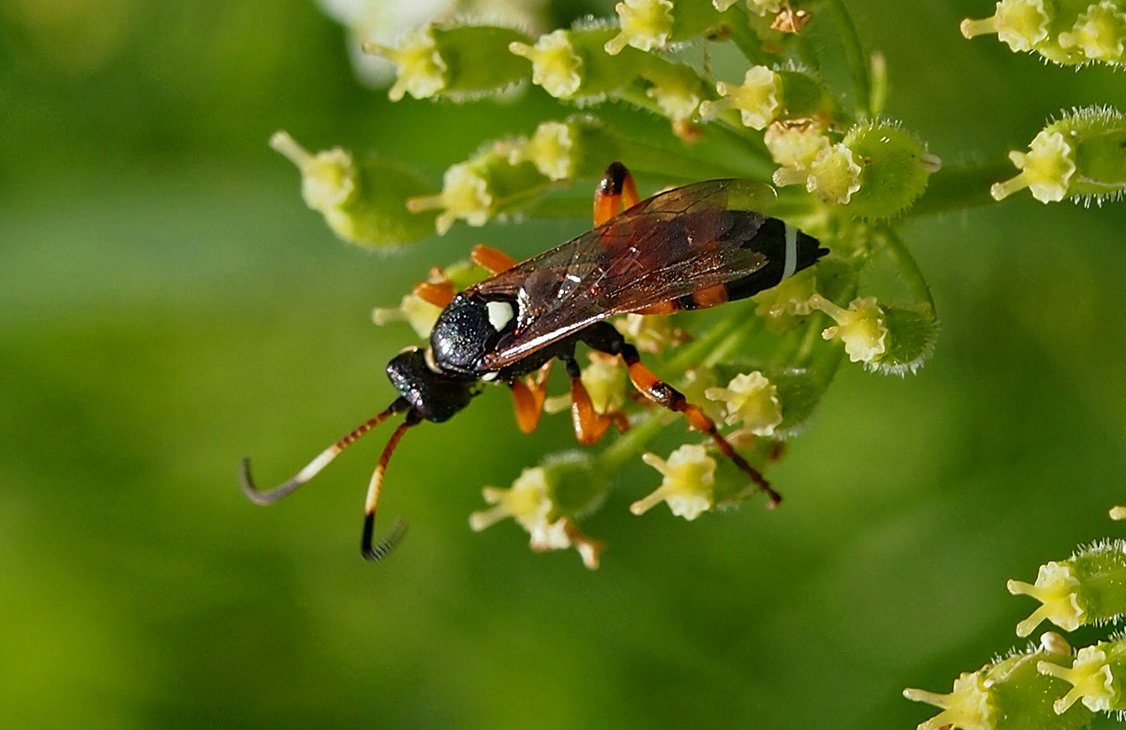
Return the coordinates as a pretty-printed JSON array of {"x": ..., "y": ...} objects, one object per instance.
[
  {"x": 1081, "y": 156},
  {"x": 1010, "y": 694},
  {"x": 363, "y": 202},
  {"x": 458, "y": 62},
  {"x": 1065, "y": 32},
  {"x": 1087, "y": 588}
]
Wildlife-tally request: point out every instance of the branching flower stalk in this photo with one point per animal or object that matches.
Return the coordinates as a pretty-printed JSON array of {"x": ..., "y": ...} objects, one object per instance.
[{"x": 844, "y": 174}]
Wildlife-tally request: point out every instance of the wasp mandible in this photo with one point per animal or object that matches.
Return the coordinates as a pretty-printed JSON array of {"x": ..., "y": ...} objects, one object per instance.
[{"x": 691, "y": 247}]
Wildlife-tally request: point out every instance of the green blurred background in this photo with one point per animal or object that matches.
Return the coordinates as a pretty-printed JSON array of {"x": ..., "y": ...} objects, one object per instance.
[{"x": 167, "y": 305}]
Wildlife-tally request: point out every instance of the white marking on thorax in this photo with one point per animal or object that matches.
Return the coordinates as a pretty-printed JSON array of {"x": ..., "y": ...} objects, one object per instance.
[
  {"x": 500, "y": 314},
  {"x": 791, "y": 262}
]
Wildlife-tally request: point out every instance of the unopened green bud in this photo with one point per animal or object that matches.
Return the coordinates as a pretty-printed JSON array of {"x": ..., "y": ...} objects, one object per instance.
[
  {"x": 1010, "y": 694},
  {"x": 656, "y": 24},
  {"x": 912, "y": 332},
  {"x": 572, "y": 65},
  {"x": 894, "y": 167},
  {"x": 1081, "y": 156},
  {"x": 363, "y": 203},
  {"x": 456, "y": 61},
  {"x": 1087, "y": 588}
]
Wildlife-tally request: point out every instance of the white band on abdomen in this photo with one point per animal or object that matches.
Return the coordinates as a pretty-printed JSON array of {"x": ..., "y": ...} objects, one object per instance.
[{"x": 791, "y": 262}]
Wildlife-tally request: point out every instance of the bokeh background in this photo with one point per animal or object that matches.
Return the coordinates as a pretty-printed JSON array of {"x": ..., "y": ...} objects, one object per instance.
[{"x": 167, "y": 305}]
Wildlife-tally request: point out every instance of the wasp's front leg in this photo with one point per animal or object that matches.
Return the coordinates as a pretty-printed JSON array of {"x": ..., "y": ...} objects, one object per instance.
[{"x": 528, "y": 396}]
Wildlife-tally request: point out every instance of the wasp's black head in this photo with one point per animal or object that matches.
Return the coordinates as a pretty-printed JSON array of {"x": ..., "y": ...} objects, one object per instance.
[
  {"x": 436, "y": 396},
  {"x": 468, "y": 329}
]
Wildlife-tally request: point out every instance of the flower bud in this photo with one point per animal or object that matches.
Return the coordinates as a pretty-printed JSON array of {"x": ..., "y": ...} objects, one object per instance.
[
  {"x": 479, "y": 189},
  {"x": 862, "y": 327},
  {"x": 545, "y": 499},
  {"x": 363, "y": 203},
  {"x": 1079, "y": 157},
  {"x": 688, "y": 479},
  {"x": 656, "y": 24},
  {"x": 455, "y": 61},
  {"x": 1087, "y": 588},
  {"x": 1067, "y": 33},
  {"x": 576, "y": 147},
  {"x": 766, "y": 95},
  {"x": 752, "y": 400},
  {"x": 1095, "y": 677},
  {"x": 572, "y": 65}
]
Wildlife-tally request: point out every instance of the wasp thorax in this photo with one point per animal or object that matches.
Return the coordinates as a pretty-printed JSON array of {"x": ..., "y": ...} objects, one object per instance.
[{"x": 466, "y": 330}]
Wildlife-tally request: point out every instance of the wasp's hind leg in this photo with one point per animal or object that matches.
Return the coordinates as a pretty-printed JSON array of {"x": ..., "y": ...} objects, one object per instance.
[
  {"x": 604, "y": 337},
  {"x": 616, "y": 191}
]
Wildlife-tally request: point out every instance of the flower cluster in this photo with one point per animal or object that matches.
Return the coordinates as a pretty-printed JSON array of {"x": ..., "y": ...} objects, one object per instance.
[
  {"x": 843, "y": 173},
  {"x": 1050, "y": 685},
  {"x": 1067, "y": 33}
]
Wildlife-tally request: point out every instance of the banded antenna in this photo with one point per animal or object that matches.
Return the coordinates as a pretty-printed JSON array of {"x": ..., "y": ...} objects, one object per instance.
[{"x": 383, "y": 548}]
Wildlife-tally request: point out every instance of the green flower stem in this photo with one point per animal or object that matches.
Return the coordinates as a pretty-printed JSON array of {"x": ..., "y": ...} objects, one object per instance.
[
  {"x": 959, "y": 188},
  {"x": 857, "y": 58},
  {"x": 906, "y": 266},
  {"x": 630, "y": 444},
  {"x": 699, "y": 349},
  {"x": 745, "y": 38}
]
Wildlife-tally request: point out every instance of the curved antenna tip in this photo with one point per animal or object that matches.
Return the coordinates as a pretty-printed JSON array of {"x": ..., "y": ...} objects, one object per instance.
[{"x": 384, "y": 547}]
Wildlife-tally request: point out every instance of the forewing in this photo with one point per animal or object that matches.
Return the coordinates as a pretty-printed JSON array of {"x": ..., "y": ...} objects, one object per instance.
[{"x": 663, "y": 248}]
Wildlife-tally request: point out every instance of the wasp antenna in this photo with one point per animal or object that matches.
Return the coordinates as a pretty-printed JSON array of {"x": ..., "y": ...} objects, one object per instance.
[
  {"x": 383, "y": 548},
  {"x": 319, "y": 462},
  {"x": 371, "y": 501}
]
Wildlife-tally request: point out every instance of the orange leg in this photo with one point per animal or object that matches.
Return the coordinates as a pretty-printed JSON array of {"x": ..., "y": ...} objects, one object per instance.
[
  {"x": 528, "y": 396},
  {"x": 590, "y": 426},
  {"x": 491, "y": 259},
  {"x": 616, "y": 192}
]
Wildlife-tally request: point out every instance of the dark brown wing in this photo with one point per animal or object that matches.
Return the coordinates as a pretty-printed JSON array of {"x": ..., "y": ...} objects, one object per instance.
[{"x": 666, "y": 247}]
